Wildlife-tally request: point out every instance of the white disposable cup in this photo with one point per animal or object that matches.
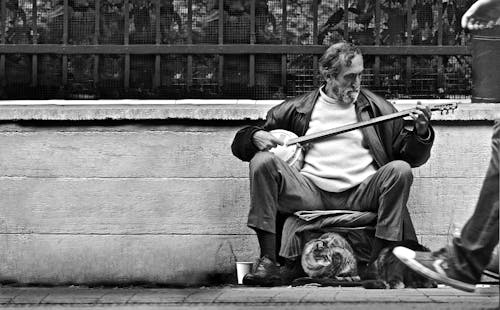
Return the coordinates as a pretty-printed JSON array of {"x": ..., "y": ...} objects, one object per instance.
[{"x": 242, "y": 268}]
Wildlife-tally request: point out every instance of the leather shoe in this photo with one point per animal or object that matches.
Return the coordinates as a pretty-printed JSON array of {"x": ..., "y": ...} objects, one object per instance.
[{"x": 264, "y": 273}]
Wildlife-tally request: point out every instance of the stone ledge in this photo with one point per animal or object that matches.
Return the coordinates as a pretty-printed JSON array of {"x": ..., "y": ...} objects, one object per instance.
[{"x": 80, "y": 110}]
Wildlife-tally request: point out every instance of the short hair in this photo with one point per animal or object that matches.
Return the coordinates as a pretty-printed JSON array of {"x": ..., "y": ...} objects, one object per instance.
[{"x": 337, "y": 55}]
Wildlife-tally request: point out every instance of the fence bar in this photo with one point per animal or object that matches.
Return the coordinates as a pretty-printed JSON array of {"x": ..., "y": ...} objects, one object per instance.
[
  {"x": 220, "y": 73},
  {"x": 440, "y": 71},
  {"x": 126, "y": 73},
  {"x": 157, "y": 22},
  {"x": 148, "y": 49},
  {"x": 157, "y": 73},
  {"x": 408, "y": 42},
  {"x": 251, "y": 74},
  {"x": 376, "y": 66},
  {"x": 3, "y": 6},
  {"x": 315, "y": 40},
  {"x": 284, "y": 5},
  {"x": 34, "y": 58},
  {"x": 65, "y": 42},
  {"x": 3, "y": 40},
  {"x": 96, "y": 39},
  {"x": 189, "y": 69},
  {"x": 346, "y": 20}
]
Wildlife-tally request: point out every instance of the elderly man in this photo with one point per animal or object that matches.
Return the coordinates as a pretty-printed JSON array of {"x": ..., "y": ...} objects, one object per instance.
[{"x": 364, "y": 170}]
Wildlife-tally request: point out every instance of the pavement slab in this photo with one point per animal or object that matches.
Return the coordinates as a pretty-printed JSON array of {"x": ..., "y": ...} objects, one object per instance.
[{"x": 240, "y": 297}]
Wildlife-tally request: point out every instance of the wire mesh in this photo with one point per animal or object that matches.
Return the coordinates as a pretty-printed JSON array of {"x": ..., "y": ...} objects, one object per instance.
[
  {"x": 299, "y": 30},
  {"x": 173, "y": 76},
  {"x": 111, "y": 76},
  {"x": 389, "y": 77},
  {"x": 50, "y": 76},
  {"x": 205, "y": 22},
  {"x": 424, "y": 79},
  {"x": 300, "y": 74},
  {"x": 81, "y": 84},
  {"x": 18, "y": 22},
  {"x": 141, "y": 22},
  {"x": 330, "y": 22},
  {"x": 112, "y": 22},
  {"x": 453, "y": 33},
  {"x": 268, "y": 21},
  {"x": 393, "y": 22},
  {"x": 50, "y": 21},
  {"x": 268, "y": 77},
  {"x": 457, "y": 76},
  {"x": 141, "y": 76},
  {"x": 236, "y": 76},
  {"x": 18, "y": 73},
  {"x": 205, "y": 72},
  {"x": 424, "y": 22},
  {"x": 81, "y": 27},
  {"x": 173, "y": 21}
]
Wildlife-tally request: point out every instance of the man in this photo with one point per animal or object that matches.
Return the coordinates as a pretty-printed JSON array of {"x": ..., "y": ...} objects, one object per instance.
[
  {"x": 362, "y": 170},
  {"x": 462, "y": 263}
]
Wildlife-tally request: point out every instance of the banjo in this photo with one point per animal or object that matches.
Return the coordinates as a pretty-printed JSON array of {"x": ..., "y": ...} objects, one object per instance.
[{"x": 292, "y": 151}]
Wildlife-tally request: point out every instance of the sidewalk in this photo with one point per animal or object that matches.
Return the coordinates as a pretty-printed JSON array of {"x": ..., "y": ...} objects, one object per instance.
[{"x": 236, "y": 297}]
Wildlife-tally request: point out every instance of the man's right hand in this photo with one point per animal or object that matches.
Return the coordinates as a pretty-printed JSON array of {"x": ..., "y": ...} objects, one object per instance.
[{"x": 265, "y": 141}]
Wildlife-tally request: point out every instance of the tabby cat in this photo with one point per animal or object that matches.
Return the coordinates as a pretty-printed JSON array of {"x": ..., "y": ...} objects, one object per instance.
[{"x": 329, "y": 256}]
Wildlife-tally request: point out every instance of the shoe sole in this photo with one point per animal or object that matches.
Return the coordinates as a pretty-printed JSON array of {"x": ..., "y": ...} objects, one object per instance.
[
  {"x": 407, "y": 256},
  {"x": 491, "y": 274}
]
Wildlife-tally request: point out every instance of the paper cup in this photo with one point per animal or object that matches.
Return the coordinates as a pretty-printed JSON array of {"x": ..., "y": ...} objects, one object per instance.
[{"x": 242, "y": 268}]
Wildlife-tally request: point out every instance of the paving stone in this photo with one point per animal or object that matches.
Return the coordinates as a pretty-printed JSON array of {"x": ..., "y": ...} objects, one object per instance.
[
  {"x": 117, "y": 296},
  {"x": 205, "y": 295},
  {"x": 72, "y": 296},
  {"x": 162, "y": 296}
]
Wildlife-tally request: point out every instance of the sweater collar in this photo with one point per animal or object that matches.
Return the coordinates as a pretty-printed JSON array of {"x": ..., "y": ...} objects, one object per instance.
[{"x": 309, "y": 100}]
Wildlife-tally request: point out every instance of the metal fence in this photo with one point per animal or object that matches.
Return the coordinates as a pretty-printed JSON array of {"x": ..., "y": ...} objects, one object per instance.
[{"x": 260, "y": 49}]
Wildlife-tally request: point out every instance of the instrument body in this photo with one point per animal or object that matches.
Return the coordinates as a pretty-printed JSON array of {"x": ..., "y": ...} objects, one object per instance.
[{"x": 292, "y": 152}]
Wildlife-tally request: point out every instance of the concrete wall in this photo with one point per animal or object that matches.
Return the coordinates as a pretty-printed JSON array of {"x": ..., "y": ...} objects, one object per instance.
[{"x": 133, "y": 194}]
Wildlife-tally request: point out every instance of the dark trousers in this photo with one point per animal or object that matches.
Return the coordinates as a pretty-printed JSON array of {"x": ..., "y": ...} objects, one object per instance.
[
  {"x": 471, "y": 252},
  {"x": 277, "y": 187}
]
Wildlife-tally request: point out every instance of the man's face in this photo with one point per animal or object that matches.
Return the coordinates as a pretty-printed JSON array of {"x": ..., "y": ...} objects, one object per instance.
[{"x": 346, "y": 85}]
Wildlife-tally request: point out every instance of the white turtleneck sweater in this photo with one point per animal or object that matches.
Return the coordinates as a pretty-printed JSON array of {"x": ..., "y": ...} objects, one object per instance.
[{"x": 340, "y": 162}]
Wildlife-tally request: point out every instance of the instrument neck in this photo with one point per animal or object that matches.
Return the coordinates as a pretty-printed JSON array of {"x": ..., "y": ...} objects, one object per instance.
[{"x": 349, "y": 127}]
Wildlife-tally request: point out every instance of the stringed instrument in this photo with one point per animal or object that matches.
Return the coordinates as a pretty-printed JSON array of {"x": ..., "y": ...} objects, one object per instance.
[{"x": 292, "y": 151}]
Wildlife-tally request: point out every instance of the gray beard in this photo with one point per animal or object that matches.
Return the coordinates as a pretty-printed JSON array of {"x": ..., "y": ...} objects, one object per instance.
[{"x": 348, "y": 99}]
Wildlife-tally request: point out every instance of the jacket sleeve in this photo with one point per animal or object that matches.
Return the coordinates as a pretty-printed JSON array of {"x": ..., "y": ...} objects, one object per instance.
[
  {"x": 401, "y": 143},
  {"x": 243, "y": 146},
  {"x": 410, "y": 147}
]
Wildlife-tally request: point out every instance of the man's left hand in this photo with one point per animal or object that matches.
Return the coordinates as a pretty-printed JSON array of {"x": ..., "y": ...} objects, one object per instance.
[{"x": 421, "y": 118}]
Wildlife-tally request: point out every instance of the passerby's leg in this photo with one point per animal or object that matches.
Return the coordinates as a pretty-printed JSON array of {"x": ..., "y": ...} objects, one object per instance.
[
  {"x": 461, "y": 264},
  {"x": 471, "y": 252}
]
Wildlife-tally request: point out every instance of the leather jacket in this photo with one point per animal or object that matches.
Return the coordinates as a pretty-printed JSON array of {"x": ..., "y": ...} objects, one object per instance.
[{"x": 387, "y": 141}]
